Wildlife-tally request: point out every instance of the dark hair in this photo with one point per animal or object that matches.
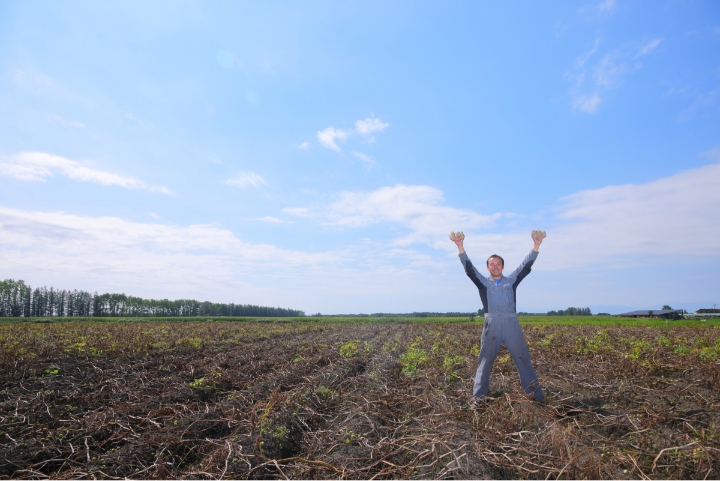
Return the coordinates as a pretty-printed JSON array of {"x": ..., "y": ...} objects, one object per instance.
[{"x": 496, "y": 256}]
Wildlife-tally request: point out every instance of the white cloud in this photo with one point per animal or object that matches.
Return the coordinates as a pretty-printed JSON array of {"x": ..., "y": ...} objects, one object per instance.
[
  {"x": 205, "y": 262},
  {"x": 327, "y": 137},
  {"x": 246, "y": 179},
  {"x": 142, "y": 257},
  {"x": 364, "y": 128},
  {"x": 370, "y": 125},
  {"x": 649, "y": 47},
  {"x": 37, "y": 166},
  {"x": 31, "y": 173},
  {"x": 298, "y": 211},
  {"x": 304, "y": 146},
  {"x": 416, "y": 207},
  {"x": 587, "y": 103},
  {"x": 270, "y": 219},
  {"x": 595, "y": 236},
  {"x": 674, "y": 216},
  {"x": 636, "y": 224}
]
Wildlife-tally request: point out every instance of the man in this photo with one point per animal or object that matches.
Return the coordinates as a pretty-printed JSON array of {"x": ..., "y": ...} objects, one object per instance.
[{"x": 497, "y": 293}]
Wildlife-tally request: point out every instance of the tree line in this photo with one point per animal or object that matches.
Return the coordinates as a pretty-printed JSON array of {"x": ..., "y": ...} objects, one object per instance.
[
  {"x": 571, "y": 311},
  {"x": 18, "y": 299}
]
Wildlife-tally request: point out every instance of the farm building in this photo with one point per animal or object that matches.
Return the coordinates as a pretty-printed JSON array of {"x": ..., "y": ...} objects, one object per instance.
[
  {"x": 655, "y": 313},
  {"x": 704, "y": 314}
]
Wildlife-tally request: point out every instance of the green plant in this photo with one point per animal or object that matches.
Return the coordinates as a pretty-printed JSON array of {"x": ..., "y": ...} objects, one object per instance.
[
  {"x": 710, "y": 352},
  {"x": 199, "y": 384},
  {"x": 412, "y": 360},
  {"x": 280, "y": 432},
  {"x": 323, "y": 391},
  {"x": 705, "y": 435},
  {"x": 546, "y": 342},
  {"x": 205, "y": 384},
  {"x": 638, "y": 349},
  {"x": 601, "y": 341},
  {"x": 349, "y": 349},
  {"x": 451, "y": 361}
]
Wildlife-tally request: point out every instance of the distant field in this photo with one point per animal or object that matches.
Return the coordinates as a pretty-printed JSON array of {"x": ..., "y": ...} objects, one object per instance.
[
  {"x": 384, "y": 398},
  {"x": 532, "y": 320}
]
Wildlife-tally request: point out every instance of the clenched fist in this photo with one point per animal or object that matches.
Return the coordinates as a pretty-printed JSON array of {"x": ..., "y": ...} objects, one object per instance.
[{"x": 538, "y": 235}]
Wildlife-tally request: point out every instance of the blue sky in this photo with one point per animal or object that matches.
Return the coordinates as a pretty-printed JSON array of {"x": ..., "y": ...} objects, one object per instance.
[{"x": 315, "y": 155}]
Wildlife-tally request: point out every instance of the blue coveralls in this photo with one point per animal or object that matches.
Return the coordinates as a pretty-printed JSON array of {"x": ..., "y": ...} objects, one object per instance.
[{"x": 501, "y": 325}]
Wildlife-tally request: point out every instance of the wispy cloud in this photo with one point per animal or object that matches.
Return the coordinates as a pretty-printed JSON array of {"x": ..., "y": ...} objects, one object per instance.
[
  {"x": 367, "y": 160},
  {"x": 298, "y": 211},
  {"x": 606, "y": 5},
  {"x": 703, "y": 105},
  {"x": 304, "y": 146},
  {"x": 586, "y": 103},
  {"x": 582, "y": 59},
  {"x": 649, "y": 47},
  {"x": 38, "y": 166},
  {"x": 712, "y": 154},
  {"x": 271, "y": 220},
  {"x": 591, "y": 80},
  {"x": 63, "y": 121},
  {"x": 363, "y": 128},
  {"x": 246, "y": 179},
  {"x": 609, "y": 70}
]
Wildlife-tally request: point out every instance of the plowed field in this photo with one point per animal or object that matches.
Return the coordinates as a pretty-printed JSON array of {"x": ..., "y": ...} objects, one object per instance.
[{"x": 345, "y": 400}]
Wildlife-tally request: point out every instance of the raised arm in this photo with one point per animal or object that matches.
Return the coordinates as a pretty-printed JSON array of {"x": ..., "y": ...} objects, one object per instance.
[
  {"x": 526, "y": 265},
  {"x": 478, "y": 279}
]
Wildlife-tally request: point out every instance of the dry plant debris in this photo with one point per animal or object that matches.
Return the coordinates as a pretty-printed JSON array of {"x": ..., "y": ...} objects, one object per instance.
[{"x": 348, "y": 400}]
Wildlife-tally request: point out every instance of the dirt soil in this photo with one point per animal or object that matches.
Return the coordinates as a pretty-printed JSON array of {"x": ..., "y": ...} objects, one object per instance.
[{"x": 361, "y": 401}]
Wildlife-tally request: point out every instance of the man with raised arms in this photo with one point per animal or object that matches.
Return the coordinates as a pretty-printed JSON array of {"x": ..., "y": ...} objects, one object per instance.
[{"x": 497, "y": 293}]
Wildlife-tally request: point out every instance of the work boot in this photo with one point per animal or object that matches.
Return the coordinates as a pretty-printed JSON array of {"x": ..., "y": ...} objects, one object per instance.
[{"x": 479, "y": 402}]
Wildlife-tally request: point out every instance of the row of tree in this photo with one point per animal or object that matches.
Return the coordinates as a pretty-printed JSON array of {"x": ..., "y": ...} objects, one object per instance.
[
  {"x": 571, "y": 311},
  {"x": 18, "y": 299}
]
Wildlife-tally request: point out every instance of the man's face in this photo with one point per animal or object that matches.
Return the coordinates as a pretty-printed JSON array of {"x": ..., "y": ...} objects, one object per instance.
[{"x": 495, "y": 266}]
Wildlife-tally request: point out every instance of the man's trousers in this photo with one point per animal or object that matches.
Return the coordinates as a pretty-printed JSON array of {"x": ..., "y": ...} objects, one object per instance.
[{"x": 499, "y": 328}]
